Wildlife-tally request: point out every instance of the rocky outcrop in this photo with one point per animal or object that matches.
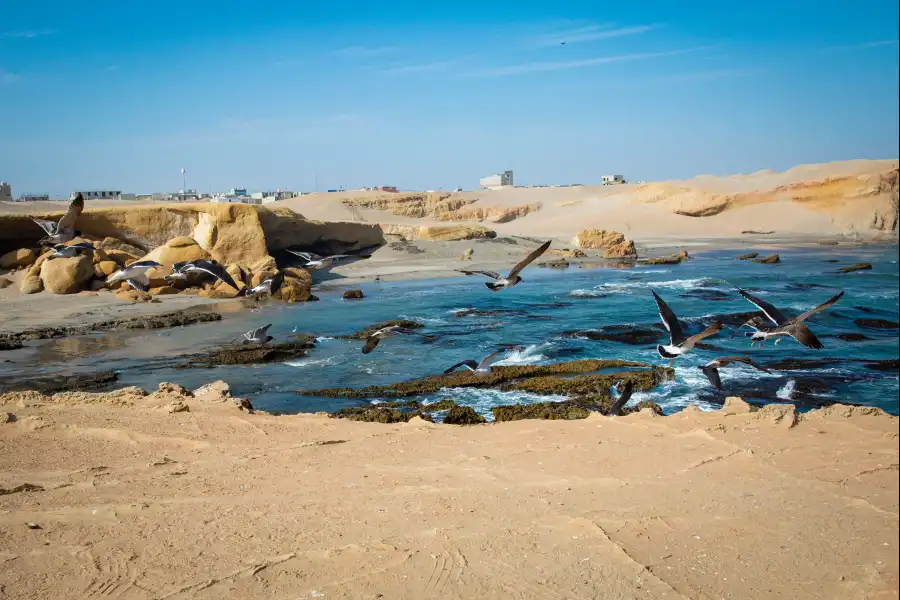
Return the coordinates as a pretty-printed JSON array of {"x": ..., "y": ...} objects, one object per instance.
[
  {"x": 441, "y": 207},
  {"x": 67, "y": 275},
  {"x": 175, "y": 250},
  {"x": 439, "y": 233},
  {"x": 17, "y": 259},
  {"x": 230, "y": 233},
  {"x": 772, "y": 259},
  {"x": 611, "y": 243}
]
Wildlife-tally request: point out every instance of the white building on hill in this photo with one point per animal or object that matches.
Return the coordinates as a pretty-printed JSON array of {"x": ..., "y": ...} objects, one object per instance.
[
  {"x": 498, "y": 181},
  {"x": 97, "y": 194},
  {"x": 613, "y": 179}
]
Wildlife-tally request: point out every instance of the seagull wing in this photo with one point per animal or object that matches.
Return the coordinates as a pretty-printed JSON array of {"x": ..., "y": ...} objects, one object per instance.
[
  {"x": 622, "y": 400},
  {"x": 487, "y": 360},
  {"x": 529, "y": 259},
  {"x": 468, "y": 363},
  {"x": 802, "y": 334},
  {"x": 49, "y": 227},
  {"x": 277, "y": 282},
  {"x": 712, "y": 374},
  {"x": 307, "y": 256},
  {"x": 820, "y": 307},
  {"x": 724, "y": 360},
  {"x": 711, "y": 330},
  {"x": 676, "y": 334},
  {"x": 371, "y": 342},
  {"x": 67, "y": 222},
  {"x": 774, "y": 315},
  {"x": 216, "y": 270},
  {"x": 84, "y": 246},
  {"x": 261, "y": 332},
  {"x": 491, "y": 274}
]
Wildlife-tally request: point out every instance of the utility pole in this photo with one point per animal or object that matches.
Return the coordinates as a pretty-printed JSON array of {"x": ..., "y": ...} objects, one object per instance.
[{"x": 183, "y": 184}]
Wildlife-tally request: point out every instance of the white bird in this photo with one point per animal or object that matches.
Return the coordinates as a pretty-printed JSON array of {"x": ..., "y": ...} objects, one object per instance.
[
  {"x": 316, "y": 262},
  {"x": 269, "y": 286},
  {"x": 210, "y": 267},
  {"x": 258, "y": 336},
  {"x": 711, "y": 369},
  {"x": 384, "y": 332},
  {"x": 513, "y": 277},
  {"x": 135, "y": 274},
  {"x": 63, "y": 251},
  {"x": 63, "y": 230},
  {"x": 784, "y": 327},
  {"x": 476, "y": 367},
  {"x": 678, "y": 344}
]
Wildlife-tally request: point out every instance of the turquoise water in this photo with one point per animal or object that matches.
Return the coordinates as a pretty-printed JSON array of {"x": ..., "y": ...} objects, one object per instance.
[{"x": 544, "y": 311}]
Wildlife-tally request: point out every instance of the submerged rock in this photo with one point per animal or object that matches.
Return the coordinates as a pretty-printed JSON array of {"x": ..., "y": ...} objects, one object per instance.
[
  {"x": 10, "y": 344},
  {"x": 245, "y": 354},
  {"x": 353, "y": 295},
  {"x": 51, "y": 384},
  {"x": 876, "y": 323},
  {"x": 623, "y": 334},
  {"x": 364, "y": 333},
  {"x": 475, "y": 312},
  {"x": 463, "y": 415},
  {"x": 856, "y": 267},
  {"x": 748, "y": 256},
  {"x": 768, "y": 260}
]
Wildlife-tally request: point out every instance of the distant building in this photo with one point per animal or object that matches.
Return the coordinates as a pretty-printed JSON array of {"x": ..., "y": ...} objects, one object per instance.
[
  {"x": 97, "y": 194},
  {"x": 237, "y": 192},
  {"x": 498, "y": 181},
  {"x": 235, "y": 200},
  {"x": 387, "y": 188},
  {"x": 613, "y": 179},
  {"x": 30, "y": 197},
  {"x": 5, "y": 192}
]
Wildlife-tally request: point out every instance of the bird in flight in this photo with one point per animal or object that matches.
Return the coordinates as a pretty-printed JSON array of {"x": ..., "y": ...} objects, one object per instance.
[
  {"x": 62, "y": 231},
  {"x": 784, "y": 327},
  {"x": 678, "y": 344},
  {"x": 711, "y": 369},
  {"x": 513, "y": 277}
]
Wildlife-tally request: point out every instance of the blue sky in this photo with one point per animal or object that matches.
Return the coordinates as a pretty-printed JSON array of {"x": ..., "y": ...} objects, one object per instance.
[{"x": 423, "y": 95}]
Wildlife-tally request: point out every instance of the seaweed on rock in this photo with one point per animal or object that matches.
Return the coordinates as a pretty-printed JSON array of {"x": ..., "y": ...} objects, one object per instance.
[
  {"x": 364, "y": 333},
  {"x": 246, "y": 354}
]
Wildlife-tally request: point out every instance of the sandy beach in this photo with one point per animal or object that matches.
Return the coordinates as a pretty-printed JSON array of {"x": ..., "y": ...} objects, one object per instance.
[{"x": 133, "y": 500}]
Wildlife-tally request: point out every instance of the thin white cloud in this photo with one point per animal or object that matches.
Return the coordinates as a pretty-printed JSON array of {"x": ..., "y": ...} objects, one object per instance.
[
  {"x": 863, "y": 45},
  {"x": 561, "y": 65},
  {"x": 27, "y": 34},
  {"x": 591, "y": 33},
  {"x": 364, "y": 51},
  {"x": 7, "y": 78},
  {"x": 431, "y": 67}
]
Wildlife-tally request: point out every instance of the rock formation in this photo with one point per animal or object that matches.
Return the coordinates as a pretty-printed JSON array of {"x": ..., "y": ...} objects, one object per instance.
[
  {"x": 612, "y": 243},
  {"x": 441, "y": 207}
]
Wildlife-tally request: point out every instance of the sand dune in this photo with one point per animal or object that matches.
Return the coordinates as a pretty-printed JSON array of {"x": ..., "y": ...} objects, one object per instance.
[{"x": 135, "y": 501}]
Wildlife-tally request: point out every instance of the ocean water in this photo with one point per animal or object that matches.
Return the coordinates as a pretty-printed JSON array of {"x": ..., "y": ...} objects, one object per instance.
[{"x": 542, "y": 313}]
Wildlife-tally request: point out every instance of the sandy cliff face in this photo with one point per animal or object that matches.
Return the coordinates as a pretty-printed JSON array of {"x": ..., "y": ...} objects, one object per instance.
[
  {"x": 442, "y": 207},
  {"x": 231, "y": 233}
]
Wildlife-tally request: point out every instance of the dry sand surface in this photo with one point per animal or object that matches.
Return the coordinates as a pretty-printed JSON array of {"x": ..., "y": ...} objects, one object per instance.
[{"x": 134, "y": 501}]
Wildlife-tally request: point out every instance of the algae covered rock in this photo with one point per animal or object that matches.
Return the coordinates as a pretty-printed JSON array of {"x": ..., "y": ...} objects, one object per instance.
[
  {"x": 566, "y": 410},
  {"x": 856, "y": 267},
  {"x": 245, "y": 354},
  {"x": 378, "y": 414},
  {"x": 67, "y": 275},
  {"x": 772, "y": 259},
  {"x": 463, "y": 415},
  {"x": 353, "y": 295},
  {"x": 364, "y": 333}
]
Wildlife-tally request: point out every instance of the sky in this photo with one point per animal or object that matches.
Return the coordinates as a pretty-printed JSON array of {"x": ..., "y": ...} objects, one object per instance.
[{"x": 302, "y": 96}]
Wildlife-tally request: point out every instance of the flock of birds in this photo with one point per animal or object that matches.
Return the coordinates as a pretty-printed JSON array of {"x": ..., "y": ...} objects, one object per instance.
[{"x": 58, "y": 233}]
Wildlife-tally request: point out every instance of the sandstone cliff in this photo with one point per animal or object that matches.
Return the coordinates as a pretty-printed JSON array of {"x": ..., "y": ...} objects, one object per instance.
[{"x": 442, "y": 207}]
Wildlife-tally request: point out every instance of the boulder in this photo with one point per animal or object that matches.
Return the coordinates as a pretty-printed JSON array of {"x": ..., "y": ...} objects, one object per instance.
[
  {"x": 748, "y": 256},
  {"x": 121, "y": 257},
  {"x": 17, "y": 259},
  {"x": 5, "y": 282},
  {"x": 67, "y": 275},
  {"x": 856, "y": 267},
  {"x": 105, "y": 268},
  {"x": 612, "y": 243},
  {"x": 31, "y": 285},
  {"x": 353, "y": 295},
  {"x": 463, "y": 415},
  {"x": 768, "y": 260},
  {"x": 296, "y": 286},
  {"x": 175, "y": 250},
  {"x": 163, "y": 290},
  {"x": 132, "y": 295},
  {"x": 260, "y": 269}
]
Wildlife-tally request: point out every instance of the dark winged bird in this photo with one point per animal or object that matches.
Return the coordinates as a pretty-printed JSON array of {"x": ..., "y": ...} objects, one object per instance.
[
  {"x": 784, "y": 327},
  {"x": 711, "y": 369},
  {"x": 63, "y": 251},
  {"x": 135, "y": 274},
  {"x": 678, "y": 344},
  {"x": 622, "y": 400},
  {"x": 315, "y": 262},
  {"x": 513, "y": 277},
  {"x": 484, "y": 366},
  {"x": 384, "y": 332},
  {"x": 63, "y": 230},
  {"x": 210, "y": 267},
  {"x": 258, "y": 336}
]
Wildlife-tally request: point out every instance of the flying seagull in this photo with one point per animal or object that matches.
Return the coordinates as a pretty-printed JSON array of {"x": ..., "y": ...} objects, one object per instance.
[
  {"x": 315, "y": 262},
  {"x": 179, "y": 271},
  {"x": 269, "y": 285},
  {"x": 678, "y": 343},
  {"x": 622, "y": 400},
  {"x": 211, "y": 267},
  {"x": 384, "y": 332},
  {"x": 63, "y": 251},
  {"x": 711, "y": 369},
  {"x": 784, "y": 327},
  {"x": 476, "y": 367},
  {"x": 135, "y": 274},
  {"x": 513, "y": 277},
  {"x": 258, "y": 336},
  {"x": 63, "y": 230}
]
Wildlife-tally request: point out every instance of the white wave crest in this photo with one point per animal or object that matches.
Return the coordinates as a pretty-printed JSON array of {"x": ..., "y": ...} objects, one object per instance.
[{"x": 785, "y": 391}]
